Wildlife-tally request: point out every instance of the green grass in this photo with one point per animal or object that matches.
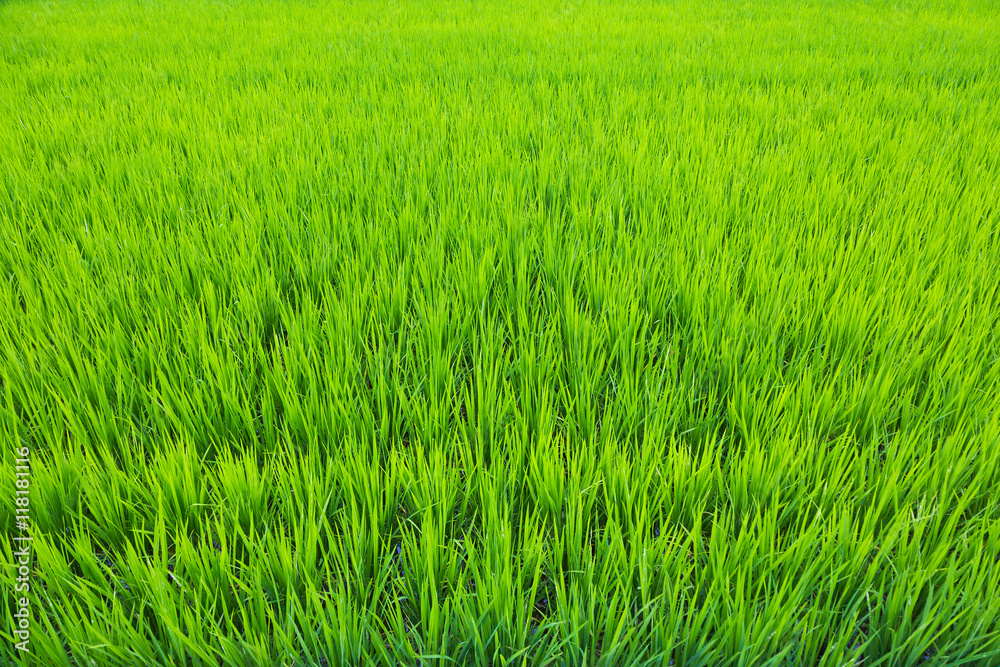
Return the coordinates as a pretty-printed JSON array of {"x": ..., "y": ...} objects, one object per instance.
[{"x": 535, "y": 333}]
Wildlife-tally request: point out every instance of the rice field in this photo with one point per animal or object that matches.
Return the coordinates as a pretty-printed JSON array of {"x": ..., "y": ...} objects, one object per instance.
[{"x": 459, "y": 332}]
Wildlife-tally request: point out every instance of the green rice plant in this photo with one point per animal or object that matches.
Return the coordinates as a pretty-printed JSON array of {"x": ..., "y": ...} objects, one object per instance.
[{"x": 545, "y": 333}]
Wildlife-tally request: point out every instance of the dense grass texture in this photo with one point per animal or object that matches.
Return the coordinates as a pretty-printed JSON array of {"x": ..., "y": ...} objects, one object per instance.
[{"x": 468, "y": 333}]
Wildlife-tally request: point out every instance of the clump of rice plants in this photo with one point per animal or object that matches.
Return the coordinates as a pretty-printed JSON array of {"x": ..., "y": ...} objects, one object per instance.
[{"x": 485, "y": 333}]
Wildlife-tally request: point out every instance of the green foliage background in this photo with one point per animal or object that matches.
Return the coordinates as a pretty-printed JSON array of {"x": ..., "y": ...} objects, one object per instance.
[{"x": 481, "y": 333}]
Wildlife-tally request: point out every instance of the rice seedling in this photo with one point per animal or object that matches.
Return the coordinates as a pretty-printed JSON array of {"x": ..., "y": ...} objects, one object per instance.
[{"x": 544, "y": 333}]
